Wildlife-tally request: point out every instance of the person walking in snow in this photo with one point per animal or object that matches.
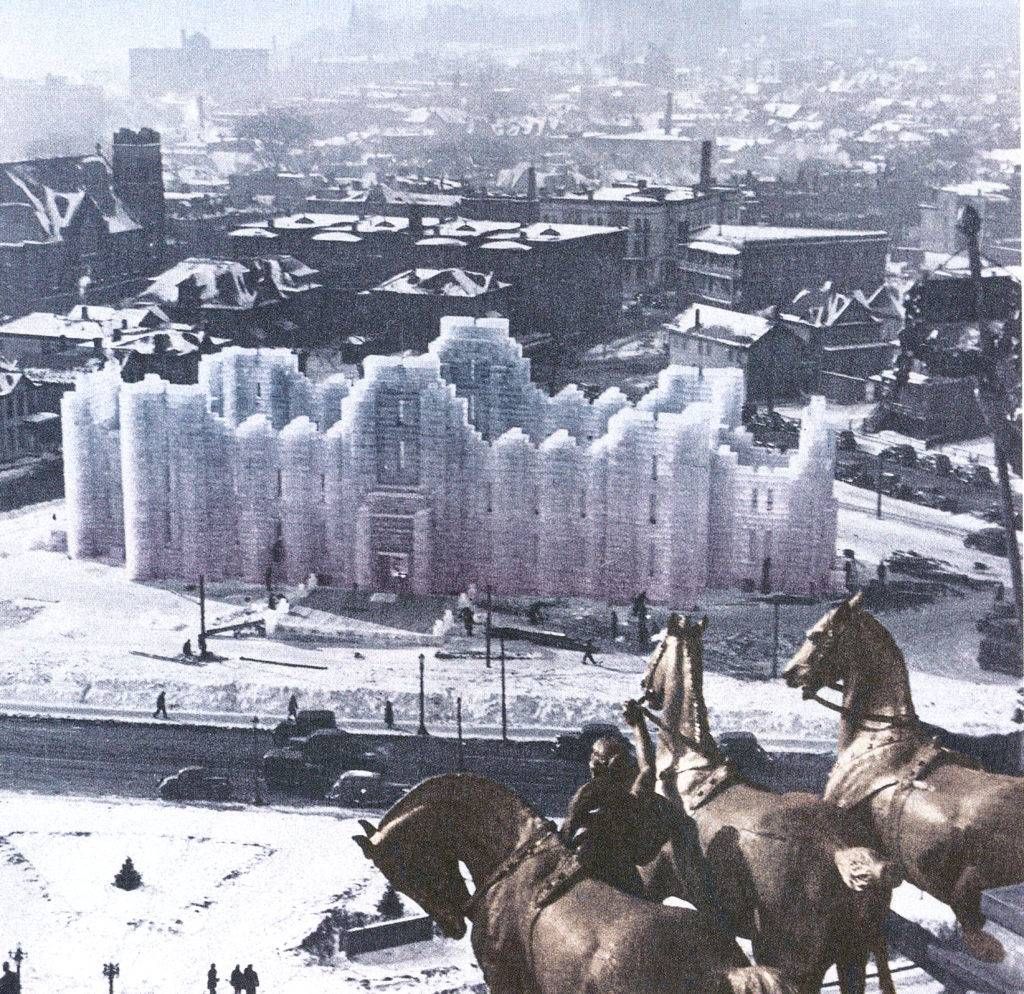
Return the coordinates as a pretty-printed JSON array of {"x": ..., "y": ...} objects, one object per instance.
[
  {"x": 588, "y": 653},
  {"x": 250, "y": 980},
  {"x": 467, "y": 620},
  {"x": 389, "y": 714},
  {"x": 212, "y": 978},
  {"x": 236, "y": 979},
  {"x": 161, "y": 705},
  {"x": 293, "y": 707}
]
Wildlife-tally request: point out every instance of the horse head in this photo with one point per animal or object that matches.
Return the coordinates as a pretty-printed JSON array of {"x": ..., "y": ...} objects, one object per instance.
[
  {"x": 416, "y": 858},
  {"x": 674, "y": 682},
  {"x": 826, "y": 657}
]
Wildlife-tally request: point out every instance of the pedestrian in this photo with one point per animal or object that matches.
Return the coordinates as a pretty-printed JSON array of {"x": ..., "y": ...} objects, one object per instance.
[
  {"x": 9, "y": 981},
  {"x": 467, "y": 619},
  {"x": 186, "y": 649},
  {"x": 588, "y": 653},
  {"x": 389, "y": 714},
  {"x": 614, "y": 626},
  {"x": 642, "y": 635},
  {"x": 236, "y": 979},
  {"x": 250, "y": 980},
  {"x": 211, "y": 978},
  {"x": 293, "y": 707},
  {"x": 161, "y": 705}
]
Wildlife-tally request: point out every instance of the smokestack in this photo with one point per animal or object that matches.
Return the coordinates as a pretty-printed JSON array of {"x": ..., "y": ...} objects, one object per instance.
[
  {"x": 706, "y": 179},
  {"x": 531, "y": 182},
  {"x": 669, "y": 109}
]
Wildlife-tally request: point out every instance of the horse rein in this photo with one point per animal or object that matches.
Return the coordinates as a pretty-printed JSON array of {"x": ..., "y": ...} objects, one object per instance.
[{"x": 891, "y": 720}]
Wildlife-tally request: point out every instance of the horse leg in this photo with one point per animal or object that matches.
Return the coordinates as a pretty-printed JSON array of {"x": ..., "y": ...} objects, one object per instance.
[
  {"x": 852, "y": 973},
  {"x": 966, "y": 904}
]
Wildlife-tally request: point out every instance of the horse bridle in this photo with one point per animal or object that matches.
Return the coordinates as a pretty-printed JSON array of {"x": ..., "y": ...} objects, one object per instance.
[{"x": 853, "y": 714}]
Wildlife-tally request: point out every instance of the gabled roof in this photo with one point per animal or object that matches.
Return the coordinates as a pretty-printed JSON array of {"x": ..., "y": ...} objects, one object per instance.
[{"x": 441, "y": 282}]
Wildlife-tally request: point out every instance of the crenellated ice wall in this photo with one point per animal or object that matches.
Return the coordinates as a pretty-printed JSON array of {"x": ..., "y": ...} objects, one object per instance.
[{"x": 436, "y": 471}]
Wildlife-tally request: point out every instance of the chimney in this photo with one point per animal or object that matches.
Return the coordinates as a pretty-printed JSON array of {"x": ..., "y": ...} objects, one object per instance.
[
  {"x": 706, "y": 179},
  {"x": 531, "y": 182},
  {"x": 696, "y": 319},
  {"x": 641, "y": 184},
  {"x": 85, "y": 313},
  {"x": 415, "y": 221},
  {"x": 669, "y": 109}
]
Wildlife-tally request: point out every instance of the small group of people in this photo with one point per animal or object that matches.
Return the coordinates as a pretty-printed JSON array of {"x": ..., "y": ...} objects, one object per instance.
[
  {"x": 246, "y": 980},
  {"x": 10, "y": 982}
]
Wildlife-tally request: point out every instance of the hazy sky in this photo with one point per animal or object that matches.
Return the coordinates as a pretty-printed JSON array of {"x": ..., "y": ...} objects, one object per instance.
[{"x": 77, "y": 36}]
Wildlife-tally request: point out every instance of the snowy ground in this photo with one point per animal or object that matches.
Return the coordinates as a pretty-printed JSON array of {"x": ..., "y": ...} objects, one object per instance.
[
  {"x": 79, "y": 632},
  {"x": 223, "y": 885}
]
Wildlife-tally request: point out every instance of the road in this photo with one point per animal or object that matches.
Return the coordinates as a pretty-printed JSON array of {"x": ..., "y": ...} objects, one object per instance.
[{"x": 128, "y": 759}]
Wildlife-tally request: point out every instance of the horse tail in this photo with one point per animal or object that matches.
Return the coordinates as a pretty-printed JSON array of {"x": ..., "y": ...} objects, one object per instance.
[
  {"x": 864, "y": 869},
  {"x": 881, "y": 954},
  {"x": 754, "y": 980}
]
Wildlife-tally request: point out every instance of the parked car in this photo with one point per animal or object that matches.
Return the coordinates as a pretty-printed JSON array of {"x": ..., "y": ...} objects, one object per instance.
[
  {"x": 981, "y": 476},
  {"x": 905, "y": 455},
  {"x": 195, "y": 783},
  {"x": 314, "y": 760},
  {"x": 746, "y": 753},
  {"x": 938, "y": 463},
  {"x": 576, "y": 746},
  {"x": 363, "y": 789},
  {"x": 847, "y": 441},
  {"x": 305, "y": 723},
  {"x": 991, "y": 540}
]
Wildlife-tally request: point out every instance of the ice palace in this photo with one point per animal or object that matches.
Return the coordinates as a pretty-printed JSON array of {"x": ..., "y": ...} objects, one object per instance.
[{"x": 435, "y": 472}]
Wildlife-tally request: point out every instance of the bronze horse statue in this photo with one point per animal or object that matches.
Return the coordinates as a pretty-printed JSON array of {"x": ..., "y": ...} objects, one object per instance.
[
  {"x": 794, "y": 874},
  {"x": 953, "y": 830},
  {"x": 537, "y": 929}
]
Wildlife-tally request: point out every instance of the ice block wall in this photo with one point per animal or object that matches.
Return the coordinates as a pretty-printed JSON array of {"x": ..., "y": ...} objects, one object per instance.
[{"x": 444, "y": 470}]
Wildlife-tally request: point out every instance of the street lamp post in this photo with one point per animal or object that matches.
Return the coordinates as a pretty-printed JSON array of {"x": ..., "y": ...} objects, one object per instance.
[
  {"x": 458, "y": 728},
  {"x": 257, "y": 794},
  {"x": 422, "y": 730},
  {"x": 111, "y": 970},
  {"x": 504, "y": 709},
  {"x": 18, "y": 955}
]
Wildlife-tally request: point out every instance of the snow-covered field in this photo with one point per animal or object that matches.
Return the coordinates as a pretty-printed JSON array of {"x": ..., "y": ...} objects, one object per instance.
[
  {"x": 75, "y": 632},
  {"x": 224, "y": 885}
]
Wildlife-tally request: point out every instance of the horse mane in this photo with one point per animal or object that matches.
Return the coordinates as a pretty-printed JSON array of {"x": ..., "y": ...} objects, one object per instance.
[{"x": 459, "y": 788}]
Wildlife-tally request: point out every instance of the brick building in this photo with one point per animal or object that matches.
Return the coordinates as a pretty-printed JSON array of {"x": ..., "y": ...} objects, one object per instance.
[
  {"x": 70, "y": 217},
  {"x": 749, "y": 268}
]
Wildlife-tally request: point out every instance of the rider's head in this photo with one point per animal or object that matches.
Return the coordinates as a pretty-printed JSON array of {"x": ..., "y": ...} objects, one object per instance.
[{"x": 611, "y": 756}]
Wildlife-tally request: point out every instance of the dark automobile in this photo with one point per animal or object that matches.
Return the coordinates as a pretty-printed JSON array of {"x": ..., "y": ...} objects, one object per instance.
[
  {"x": 576, "y": 746},
  {"x": 363, "y": 789},
  {"x": 311, "y": 761},
  {"x": 991, "y": 540},
  {"x": 194, "y": 783},
  {"x": 746, "y": 753},
  {"x": 305, "y": 723},
  {"x": 847, "y": 441},
  {"x": 938, "y": 463},
  {"x": 905, "y": 455},
  {"x": 981, "y": 476}
]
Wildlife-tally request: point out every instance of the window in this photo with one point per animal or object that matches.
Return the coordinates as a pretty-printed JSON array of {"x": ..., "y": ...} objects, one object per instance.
[
  {"x": 583, "y": 502},
  {"x": 280, "y": 486},
  {"x": 401, "y": 410},
  {"x": 653, "y": 509},
  {"x": 654, "y": 467},
  {"x": 771, "y": 499},
  {"x": 753, "y": 546},
  {"x": 323, "y": 487},
  {"x": 753, "y": 499},
  {"x": 652, "y": 559},
  {"x": 259, "y": 389},
  {"x": 488, "y": 492},
  {"x": 472, "y": 408},
  {"x": 472, "y": 370},
  {"x": 401, "y": 455}
]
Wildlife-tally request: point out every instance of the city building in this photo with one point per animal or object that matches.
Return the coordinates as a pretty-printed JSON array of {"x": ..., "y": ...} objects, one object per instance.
[
  {"x": 564, "y": 280},
  {"x": 438, "y": 471},
  {"x": 998, "y": 205},
  {"x": 930, "y": 407},
  {"x": 78, "y": 221},
  {"x": 49, "y": 117},
  {"x": 27, "y": 428},
  {"x": 196, "y": 67},
  {"x": 772, "y": 355},
  {"x": 749, "y": 268}
]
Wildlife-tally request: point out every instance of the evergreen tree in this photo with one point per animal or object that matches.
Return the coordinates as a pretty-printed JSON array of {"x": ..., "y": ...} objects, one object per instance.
[
  {"x": 390, "y": 905},
  {"x": 128, "y": 878}
]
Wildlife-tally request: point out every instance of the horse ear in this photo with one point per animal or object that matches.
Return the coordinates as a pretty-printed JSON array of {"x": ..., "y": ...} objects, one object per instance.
[
  {"x": 367, "y": 826},
  {"x": 704, "y": 624},
  {"x": 856, "y": 600}
]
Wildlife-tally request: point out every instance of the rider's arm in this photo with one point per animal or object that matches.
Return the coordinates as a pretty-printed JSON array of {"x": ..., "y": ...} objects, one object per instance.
[
  {"x": 581, "y": 803},
  {"x": 644, "y": 748}
]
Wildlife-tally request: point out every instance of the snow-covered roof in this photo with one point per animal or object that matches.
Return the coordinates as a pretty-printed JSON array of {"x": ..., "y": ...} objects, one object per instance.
[
  {"x": 442, "y": 282},
  {"x": 739, "y": 235},
  {"x": 720, "y": 323}
]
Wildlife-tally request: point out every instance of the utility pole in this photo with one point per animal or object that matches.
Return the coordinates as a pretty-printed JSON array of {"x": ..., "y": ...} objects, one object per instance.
[
  {"x": 257, "y": 795},
  {"x": 504, "y": 709},
  {"x": 878, "y": 487},
  {"x": 422, "y": 730},
  {"x": 458, "y": 728},
  {"x": 202, "y": 617},
  {"x": 776, "y": 608},
  {"x": 969, "y": 225},
  {"x": 111, "y": 970},
  {"x": 487, "y": 631}
]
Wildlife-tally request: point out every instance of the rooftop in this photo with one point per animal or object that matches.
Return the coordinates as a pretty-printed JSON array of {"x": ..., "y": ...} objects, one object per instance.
[
  {"x": 738, "y": 235},
  {"x": 720, "y": 323},
  {"x": 442, "y": 282}
]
